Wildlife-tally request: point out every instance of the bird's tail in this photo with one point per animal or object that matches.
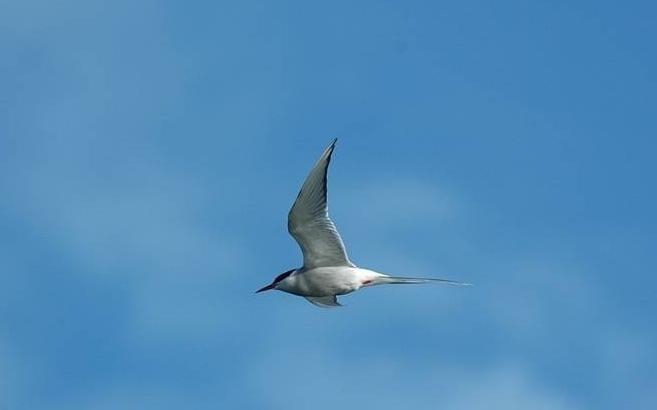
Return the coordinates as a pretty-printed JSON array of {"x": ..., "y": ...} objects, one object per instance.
[{"x": 398, "y": 280}]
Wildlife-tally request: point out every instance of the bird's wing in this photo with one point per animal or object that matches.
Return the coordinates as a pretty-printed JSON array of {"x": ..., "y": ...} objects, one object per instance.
[
  {"x": 324, "y": 301},
  {"x": 309, "y": 223}
]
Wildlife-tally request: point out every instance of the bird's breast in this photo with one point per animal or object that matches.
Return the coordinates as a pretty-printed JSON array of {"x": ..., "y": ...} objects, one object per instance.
[{"x": 326, "y": 281}]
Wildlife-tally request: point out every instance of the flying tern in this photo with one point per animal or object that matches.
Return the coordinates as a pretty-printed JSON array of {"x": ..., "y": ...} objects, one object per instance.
[{"x": 327, "y": 271}]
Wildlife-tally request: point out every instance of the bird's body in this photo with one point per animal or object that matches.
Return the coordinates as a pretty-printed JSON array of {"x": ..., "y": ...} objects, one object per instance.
[
  {"x": 327, "y": 271},
  {"x": 327, "y": 281}
]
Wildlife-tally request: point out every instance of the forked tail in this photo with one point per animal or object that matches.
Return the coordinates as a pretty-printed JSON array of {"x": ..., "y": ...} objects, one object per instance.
[{"x": 396, "y": 280}]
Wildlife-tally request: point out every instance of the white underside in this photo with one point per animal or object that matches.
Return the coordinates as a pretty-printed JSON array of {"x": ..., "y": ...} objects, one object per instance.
[{"x": 327, "y": 281}]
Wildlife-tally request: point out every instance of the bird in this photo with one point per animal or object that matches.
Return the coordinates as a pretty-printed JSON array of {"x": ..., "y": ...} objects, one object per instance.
[{"x": 327, "y": 271}]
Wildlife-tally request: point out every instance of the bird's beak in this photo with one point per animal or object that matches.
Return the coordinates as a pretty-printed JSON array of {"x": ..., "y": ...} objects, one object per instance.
[{"x": 268, "y": 287}]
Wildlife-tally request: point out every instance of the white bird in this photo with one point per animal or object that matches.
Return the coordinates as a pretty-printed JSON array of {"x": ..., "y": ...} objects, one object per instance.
[{"x": 327, "y": 271}]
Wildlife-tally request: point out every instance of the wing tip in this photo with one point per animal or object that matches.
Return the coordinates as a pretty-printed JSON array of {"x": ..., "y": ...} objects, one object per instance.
[
  {"x": 328, "y": 153},
  {"x": 331, "y": 146}
]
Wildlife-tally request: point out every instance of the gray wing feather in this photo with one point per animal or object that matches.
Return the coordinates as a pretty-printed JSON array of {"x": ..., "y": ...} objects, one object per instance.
[
  {"x": 324, "y": 301},
  {"x": 309, "y": 222}
]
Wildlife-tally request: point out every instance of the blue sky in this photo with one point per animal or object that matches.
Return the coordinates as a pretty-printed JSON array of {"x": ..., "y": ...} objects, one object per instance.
[{"x": 150, "y": 152}]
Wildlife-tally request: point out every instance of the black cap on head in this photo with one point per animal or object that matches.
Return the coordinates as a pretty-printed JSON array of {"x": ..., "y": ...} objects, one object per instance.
[{"x": 278, "y": 278}]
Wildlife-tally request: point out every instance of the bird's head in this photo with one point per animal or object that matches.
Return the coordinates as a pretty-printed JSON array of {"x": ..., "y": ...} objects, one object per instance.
[{"x": 276, "y": 281}]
